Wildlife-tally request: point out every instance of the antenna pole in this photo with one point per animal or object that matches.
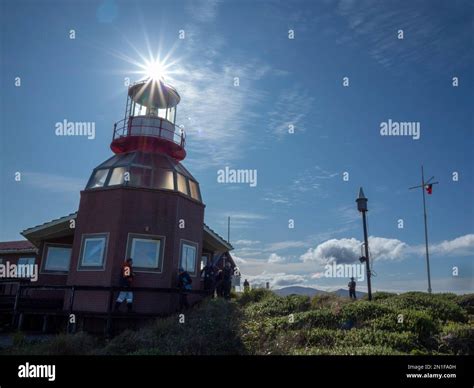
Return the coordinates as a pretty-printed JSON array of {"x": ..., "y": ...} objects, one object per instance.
[
  {"x": 425, "y": 217},
  {"x": 426, "y": 229}
]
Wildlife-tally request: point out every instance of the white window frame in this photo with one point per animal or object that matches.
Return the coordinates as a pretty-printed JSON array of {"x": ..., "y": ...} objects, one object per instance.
[
  {"x": 146, "y": 237},
  {"x": 196, "y": 252},
  {"x": 93, "y": 236},
  {"x": 44, "y": 260}
]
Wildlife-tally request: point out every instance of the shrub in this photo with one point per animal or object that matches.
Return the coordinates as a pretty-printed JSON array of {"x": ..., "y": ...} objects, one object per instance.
[
  {"x": 363, "y": 311},
  {"x": 255, "y": 295},
  {"x": 466, "y": 302},
  {"x": 419, "y": 323},
  {"x": 347, "y": 351},
  {"x": 328, "y": 300},
  {"x": 381, "y": 295},
  {"x": 403, "y": 341},
  {"x": 61, "y": 345},
  {"x": 457, "y": 338},
  {"x": 439, "y": 306},
  {"x": 323, "y": 318},
  {"x": 278, "y": 306}
]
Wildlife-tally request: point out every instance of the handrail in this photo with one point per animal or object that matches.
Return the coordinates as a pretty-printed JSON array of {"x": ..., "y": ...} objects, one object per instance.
[
  {"x": 109, "y": 288},
  {"x": 126, "y": 128}
]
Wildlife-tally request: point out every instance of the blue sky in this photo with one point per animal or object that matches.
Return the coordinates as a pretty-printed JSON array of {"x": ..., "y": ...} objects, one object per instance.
[{"x": 282, "y": 82}]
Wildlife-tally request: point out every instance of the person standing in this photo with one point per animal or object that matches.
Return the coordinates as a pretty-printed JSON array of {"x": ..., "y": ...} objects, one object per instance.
[
  {"x": 184, "y": 285},
  {"x": 227, "y": 280},
  {"x": 246, "y": 286},
  {"x": 126, "y": 279},
  {"x": 352, "y": 289},
  {"x": 220, "y": 283},
  {"x": 209, "y": 273}
]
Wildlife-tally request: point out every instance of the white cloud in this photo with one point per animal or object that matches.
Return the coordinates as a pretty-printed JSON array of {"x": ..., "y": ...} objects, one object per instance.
[
  {"x": 238, "y": 260},
  {"x": 276, "y": 259},
  {"x": 285, "y": 245},
  {"x": 347, "y": 250},
  {"x": 246, "y": 242},
  {"x": 203, "y": 11},
  {"x": 291, "y": 108},
  {"x": 343, "y": 251},
  {"x": 276, "y": 280},
  {"x": 461, "y": 245}
]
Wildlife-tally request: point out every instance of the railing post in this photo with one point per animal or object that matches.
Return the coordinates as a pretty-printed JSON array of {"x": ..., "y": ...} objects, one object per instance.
[
  {"x": 71, "y": 327},
  {"x": 16, "y": 305},
  {"x": 108, "y": 329}
]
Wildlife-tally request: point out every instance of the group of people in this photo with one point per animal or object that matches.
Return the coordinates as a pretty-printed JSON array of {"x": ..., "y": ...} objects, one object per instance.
[{"x": 216, "y": 281}]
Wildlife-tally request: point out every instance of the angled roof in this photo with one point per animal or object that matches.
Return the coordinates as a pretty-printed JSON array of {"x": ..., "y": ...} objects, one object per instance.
[
  {"x": 216, "y": 241},
  {"x": 58, "y": 227},
  {"x": 21, "y": 246},
  {"x": 61, "y": 227}
]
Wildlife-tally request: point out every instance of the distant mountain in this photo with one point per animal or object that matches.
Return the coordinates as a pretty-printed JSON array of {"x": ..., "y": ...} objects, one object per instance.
[
  {"x": 342, "y": 292},
  {"x": 307, "y": 291},
  {"x": 310, "y": 291}
]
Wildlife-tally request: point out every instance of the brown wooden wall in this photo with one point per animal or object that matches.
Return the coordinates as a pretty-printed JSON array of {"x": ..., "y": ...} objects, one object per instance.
[{"x": 120, "y": 211}]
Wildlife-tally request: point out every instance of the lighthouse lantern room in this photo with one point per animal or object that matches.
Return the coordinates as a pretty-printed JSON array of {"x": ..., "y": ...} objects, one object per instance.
[{"x": 149, "y": 122}]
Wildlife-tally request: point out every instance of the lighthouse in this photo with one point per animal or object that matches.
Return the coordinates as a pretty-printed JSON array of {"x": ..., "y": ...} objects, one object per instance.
[{"x": 141, "y": 203}]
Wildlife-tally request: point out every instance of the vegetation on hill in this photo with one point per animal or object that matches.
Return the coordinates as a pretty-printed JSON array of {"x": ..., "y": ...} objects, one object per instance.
[{"x": 262, "y": 323}]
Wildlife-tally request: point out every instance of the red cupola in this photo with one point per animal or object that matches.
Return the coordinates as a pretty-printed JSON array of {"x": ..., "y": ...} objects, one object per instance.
[{"x": 149, "y": 123}]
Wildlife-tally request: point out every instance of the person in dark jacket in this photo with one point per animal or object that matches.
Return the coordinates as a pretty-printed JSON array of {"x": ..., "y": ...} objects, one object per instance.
[
  {"x": 184, "y": 285},
  {"x": 209, "y": 273},
  {"x": 227, "y": 280},
  {"x": 352, "y": 289},
  {"x": 246, "y": 286},
  {"x": 126, "y": 279},
  {"x": 220, "y": 283}
]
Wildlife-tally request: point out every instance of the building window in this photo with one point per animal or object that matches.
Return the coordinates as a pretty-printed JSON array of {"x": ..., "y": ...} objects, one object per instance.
[
  {"x": 163, "y": 179},
  {"x": 93, "y": 251},
  {"x": 57, "y": 259},
  {"x": 182, "y": 186},
  {"x": 188, "y": 257},
  {"x": 204, "y": 259},
  {"x": 117, "y": 176},
  {"x": 146, "y": 251},
  {"x": 99, "y": 178},
  {"x": 194, "y": 190},
  {"x": 140, "y": 177}
]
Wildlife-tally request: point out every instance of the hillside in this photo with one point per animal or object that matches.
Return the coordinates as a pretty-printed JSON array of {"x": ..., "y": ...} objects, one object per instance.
[
  {"x": 261, "y": 323},
  {"x": 310, "y": 291}
]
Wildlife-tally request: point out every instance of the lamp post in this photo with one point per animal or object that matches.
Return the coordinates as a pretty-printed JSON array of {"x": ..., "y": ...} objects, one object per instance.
[{"x": 362, "y": 207}]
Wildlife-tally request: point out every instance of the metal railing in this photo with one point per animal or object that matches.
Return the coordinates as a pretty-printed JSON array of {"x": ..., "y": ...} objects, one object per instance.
[
  {"x": 145, "y": 126},
  {"x": 17, "y": 313}
]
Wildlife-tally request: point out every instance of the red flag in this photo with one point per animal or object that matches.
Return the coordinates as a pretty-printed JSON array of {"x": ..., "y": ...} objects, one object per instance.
[{"x": 429, "y": 189}]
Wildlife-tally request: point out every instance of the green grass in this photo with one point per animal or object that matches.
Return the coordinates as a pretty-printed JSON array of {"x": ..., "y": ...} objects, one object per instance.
[{"x": 261, "y": 323}]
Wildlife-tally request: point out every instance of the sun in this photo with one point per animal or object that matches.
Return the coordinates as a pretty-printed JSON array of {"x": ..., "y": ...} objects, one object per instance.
[{"x": 155, "y": 70}]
